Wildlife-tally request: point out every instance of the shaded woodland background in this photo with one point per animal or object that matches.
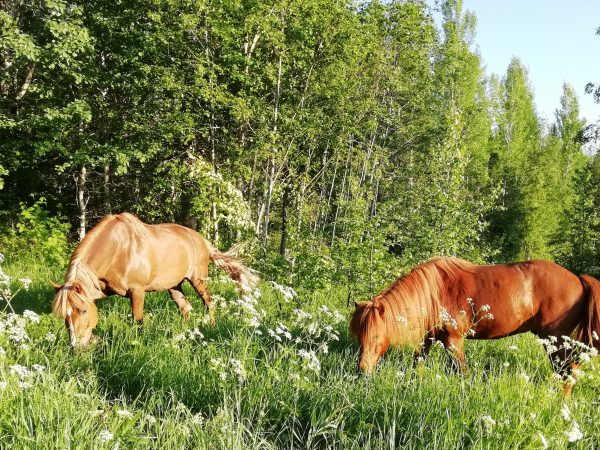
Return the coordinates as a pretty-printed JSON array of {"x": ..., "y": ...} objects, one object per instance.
[{"x": 346, "y": 141}]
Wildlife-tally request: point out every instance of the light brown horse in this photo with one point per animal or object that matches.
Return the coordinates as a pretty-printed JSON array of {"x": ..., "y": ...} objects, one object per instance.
[
  {"x": 124, "y": 256},
  {"x": 449, "y": 300}
]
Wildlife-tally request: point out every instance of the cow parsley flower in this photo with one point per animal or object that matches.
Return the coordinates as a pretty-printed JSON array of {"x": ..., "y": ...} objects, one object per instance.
[
  {"x": 105, "y": 436},
  {"x": 125, "y": 414},
  {"x": 574, "y": 434}
]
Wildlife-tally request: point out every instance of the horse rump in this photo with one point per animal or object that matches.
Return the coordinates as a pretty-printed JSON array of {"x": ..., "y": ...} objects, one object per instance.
[{"x": 589, "y": 331}]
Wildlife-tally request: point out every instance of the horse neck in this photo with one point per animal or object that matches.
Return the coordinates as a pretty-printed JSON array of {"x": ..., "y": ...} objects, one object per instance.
[
  {"x": 412, "y": 305},
  {"x": 98, "y": 249}
]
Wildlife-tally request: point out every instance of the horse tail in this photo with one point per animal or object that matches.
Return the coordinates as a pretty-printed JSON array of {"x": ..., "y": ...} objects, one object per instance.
[
  {"x": 245, "y": 277},
  {"x": 589, "y": 331}
]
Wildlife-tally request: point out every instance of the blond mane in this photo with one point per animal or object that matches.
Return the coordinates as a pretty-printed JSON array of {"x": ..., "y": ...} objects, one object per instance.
[
  {"x": 411, "y": 306},
  {"x": 67, "y": 297}
]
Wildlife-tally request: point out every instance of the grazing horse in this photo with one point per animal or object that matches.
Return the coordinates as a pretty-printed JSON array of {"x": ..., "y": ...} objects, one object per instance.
[
  {"x": 449, "y": 299},
  {"x": 124, "y": 256}
]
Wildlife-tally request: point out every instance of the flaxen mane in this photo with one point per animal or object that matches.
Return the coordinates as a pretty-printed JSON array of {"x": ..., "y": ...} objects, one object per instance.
[
  {"x": 412, "y": 305},
  {"x": 78, "y": 271}
]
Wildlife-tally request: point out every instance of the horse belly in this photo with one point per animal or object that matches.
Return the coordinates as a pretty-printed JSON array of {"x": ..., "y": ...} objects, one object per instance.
[
  {"x": 172, "y": 261},
  {"x": 502, "y": 307}
]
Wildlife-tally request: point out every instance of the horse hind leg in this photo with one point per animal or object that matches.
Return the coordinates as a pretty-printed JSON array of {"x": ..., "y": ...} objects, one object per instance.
[
  {"x": 564, "y": 365},
  {"x": 201, "y": 287},
  {"x": 178, "y": 297}
]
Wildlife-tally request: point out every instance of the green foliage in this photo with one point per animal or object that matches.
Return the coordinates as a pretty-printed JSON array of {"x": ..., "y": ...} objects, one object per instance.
[
  {"x": 348, "y": 141},
  {"x": 38, "y": 234}
]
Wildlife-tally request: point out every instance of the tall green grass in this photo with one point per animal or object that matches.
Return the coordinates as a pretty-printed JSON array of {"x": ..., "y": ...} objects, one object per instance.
[{"x": 177, "y": 384}]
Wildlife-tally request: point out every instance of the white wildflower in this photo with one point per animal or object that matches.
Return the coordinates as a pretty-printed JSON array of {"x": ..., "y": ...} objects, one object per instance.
[
  {"x": 310, "y": 359},
  {"x": 50, "y": 337},
  {"x": 125, "y": 414},
  {"x": 544, "y": 441},
  {"x": 21, "y": 371},
  {"x": 26, "y": 282},
  {"x": 150, "y": 419},
  {"x": 488, "y": 424},
  {"x": 38, "y": 368},
  {"x": 3, "y": 385},
  {"x": 105, "y": 436},
  {"x": 565, "y": 411},
  {"x": 33, "y": 317},
  {"x": 485, "y": 308},
  {"x": 25, "y": 385},
  {"x": 575, "y": 433},
  {"x": 96, "y": 412},
  {"x": 513, "y": 348},
  {"x": 238, "y": 368},
  {"x": 524, "y": 376},
  {"x": 179, "y": 337},
  {"x": 198, "y": 419}
]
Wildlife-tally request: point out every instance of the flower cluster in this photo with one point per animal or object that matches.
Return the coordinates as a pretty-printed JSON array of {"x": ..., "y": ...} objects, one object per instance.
[
  {"x": 287, "y": 291},
  {"x": 14, "y": 326},
  {"x": 244, "y": 308},
  {"x": 310, "y": 360},
  {"x": 575, "y": 350},
  {"x": 194, "y": 335},
  {"x": 574, "y": 434},
  {"x": 24, "y": 375},
  {"x": 6, "y": 293},
  {"x": 235, "y": 368}
]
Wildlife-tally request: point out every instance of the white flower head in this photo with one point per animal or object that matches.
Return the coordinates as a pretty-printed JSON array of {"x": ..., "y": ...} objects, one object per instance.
[
  {"x": 105, "y": 436},
  {"x": 26, "y": 282},
  {"x": 565, "y": 411},
  {"x": 32, "y": 316},
  {"x": 575, "y": 433},
  {"x": 125, "y": 414}
]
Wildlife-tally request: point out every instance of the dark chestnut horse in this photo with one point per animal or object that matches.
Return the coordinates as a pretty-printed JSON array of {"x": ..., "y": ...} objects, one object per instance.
[
  {"x": 449, "y": 300},
  {"x": 122, "y": 255}
]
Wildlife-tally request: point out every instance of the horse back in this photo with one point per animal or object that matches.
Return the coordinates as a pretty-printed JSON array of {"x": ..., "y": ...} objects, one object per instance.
[
  {"x": 155, "y": 258},
  {"x": 532, "y": 295}
]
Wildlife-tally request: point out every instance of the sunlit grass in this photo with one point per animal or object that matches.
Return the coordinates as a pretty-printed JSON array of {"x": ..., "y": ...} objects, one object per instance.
[{"x": 288, "y": 382}]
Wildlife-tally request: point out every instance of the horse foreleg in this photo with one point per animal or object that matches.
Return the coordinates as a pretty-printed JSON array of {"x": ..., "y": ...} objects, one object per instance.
[
  {"x": 421, "y": 353},
  {"x": 136, "y": 297},
  {"x": 201, "y": 288},
  {"x": 455, "y": 346},
  {"x": 178, "y": 297}
]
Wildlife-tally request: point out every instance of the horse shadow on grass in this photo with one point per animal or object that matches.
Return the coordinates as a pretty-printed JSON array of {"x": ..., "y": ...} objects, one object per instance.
[{"x": 38, "y": 298}]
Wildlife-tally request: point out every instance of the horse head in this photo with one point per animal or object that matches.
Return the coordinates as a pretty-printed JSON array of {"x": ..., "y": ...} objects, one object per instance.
[
  {"x": 368, "y": 326},
  {"x": 77, "y": 308}
]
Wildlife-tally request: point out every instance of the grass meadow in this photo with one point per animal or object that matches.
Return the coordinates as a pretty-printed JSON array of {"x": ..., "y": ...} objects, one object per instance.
[{"x": 278, "y": 371}]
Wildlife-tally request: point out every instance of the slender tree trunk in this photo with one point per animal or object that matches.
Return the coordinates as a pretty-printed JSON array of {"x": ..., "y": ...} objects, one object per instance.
[
  {"x": 107, "y": 202},
  {"x": 81, "y": 179},
  {"x": 284, "y": 220},
  {"x": 271, "y": 172}
]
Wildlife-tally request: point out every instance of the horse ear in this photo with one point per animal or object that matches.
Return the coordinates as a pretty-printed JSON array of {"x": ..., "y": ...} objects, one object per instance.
[
  {"x": 359, "y": 305},
  {"x": 55, "y": 286},
  {"x": 380, "y": 309},
  {"x": 77, "y": 287}
]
